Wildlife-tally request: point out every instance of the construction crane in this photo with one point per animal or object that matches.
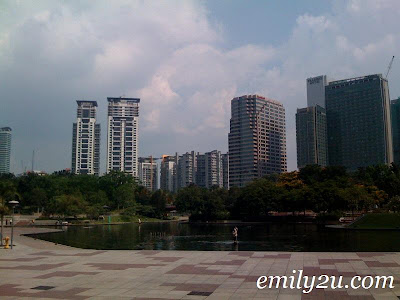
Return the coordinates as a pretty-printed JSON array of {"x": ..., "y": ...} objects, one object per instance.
[{"x": 390, "y": 66}]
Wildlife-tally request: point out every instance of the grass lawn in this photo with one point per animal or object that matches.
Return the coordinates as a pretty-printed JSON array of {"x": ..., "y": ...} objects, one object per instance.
[{"x": 378, "y": 221}]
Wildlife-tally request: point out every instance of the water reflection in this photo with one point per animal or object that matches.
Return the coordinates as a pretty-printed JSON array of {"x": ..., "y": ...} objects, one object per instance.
[{"x": 260, "y": 237}]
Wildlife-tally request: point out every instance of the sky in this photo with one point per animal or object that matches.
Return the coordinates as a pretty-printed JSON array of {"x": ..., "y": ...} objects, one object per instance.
[{"x": 185, "y": 59}]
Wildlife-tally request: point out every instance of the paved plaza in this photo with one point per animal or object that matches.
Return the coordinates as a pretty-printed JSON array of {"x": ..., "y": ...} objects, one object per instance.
[{"x": 37, "y": 269}]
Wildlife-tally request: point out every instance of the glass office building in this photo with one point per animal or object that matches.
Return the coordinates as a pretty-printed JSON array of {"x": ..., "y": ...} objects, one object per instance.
[
  {"x": 359, "y": 122},
  {"x": 395, "y": 109},
  {"x": 311, "y": 136}
]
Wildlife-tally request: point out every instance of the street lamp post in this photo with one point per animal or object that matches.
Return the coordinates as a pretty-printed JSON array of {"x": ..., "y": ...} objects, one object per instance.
[
  {"x": 107, "y": 209},
  {"x": 13, "y": 203}
]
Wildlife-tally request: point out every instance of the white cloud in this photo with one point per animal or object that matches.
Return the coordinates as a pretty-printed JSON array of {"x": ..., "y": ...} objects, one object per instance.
[{"x": 178, "y": 63}]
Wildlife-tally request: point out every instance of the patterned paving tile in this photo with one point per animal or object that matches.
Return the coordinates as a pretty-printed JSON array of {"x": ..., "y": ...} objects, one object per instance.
[
  {"x": 22, "y": 259},
  {"x": 12, "y": 290},
  {"x": 43, "y": 287},
  {"x": 201, "y": 287},
  {"x": 328, "y": 261},
  {"x": 234, "y": 262},
  {"x": 64, "y": 274},
  {"x": 249, "y": 278},
  {"x": 242, "y": 253},
  {"x": 282, "y": 255},
  {"x": 42, "y": 267},
  {"x": 81, "y": 274},
  {"x": 49, "y": 253},
  {"x": 109, "y": 266},
  {"x": 372, "y": 254},
  {"x": 193, "y": 269},
  {"x": 377, "y": 264},
  {"x": 166, "y": 259},
  {"x": 148, "y": 252}
]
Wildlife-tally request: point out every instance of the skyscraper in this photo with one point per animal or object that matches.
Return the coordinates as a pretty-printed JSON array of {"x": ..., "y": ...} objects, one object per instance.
[
  {"x": 359, "y": 122},
  {"x": 186, "y": 169},
  {"x": 257, "y": 139},
  {"x": 225, "y": 170},
  {"x": 168, "y": 180},
  {"x": 201, "y": 170},
  {"x": 395, "y": 109},
  {"x": 316, "y": 90},
  {"x": 209, "y": 169},
  {"x": 148, "y": 173},
  {"x": 86, "y": 139},
  {"x": 311, "y": 136},
  {"x": 5, "y": 149},
  {"x": 123, "y": 135}
]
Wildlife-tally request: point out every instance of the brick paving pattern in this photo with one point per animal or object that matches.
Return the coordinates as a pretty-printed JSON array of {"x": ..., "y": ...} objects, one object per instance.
[{"x": 58, "y": 272}]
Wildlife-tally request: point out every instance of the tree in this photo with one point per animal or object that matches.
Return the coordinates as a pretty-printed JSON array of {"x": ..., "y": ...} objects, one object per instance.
[
  {"x": 97, "y": 198},
  {"x": 159, "y": 201},
  {"x": 310, "y": 174},
  {"x": 124, "y": 196},
  {"x": 67, "y": 205},
  {"x": 258, "y": 198},
  {"x": 394, "y": 204},
  {"x": 357, "y": 198},
  {"x": 38, "y": 198},
  {"x": 190, "y": 200}
]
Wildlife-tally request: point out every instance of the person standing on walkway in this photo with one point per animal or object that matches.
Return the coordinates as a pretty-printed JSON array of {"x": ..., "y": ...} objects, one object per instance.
[{"x": 235, "y": 234}]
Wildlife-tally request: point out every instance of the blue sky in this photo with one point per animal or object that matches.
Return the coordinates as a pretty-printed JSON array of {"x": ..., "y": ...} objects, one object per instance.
[
  {"x": 261, "y": 22},
  {"x": 185, "y": 59}
]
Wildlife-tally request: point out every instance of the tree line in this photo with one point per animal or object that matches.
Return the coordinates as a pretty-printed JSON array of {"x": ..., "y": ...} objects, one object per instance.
[
  {"x": 326, "y": 191},
  {"x": 64, "y": 194}
]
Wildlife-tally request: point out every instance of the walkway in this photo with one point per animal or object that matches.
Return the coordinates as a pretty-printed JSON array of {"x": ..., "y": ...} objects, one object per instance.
[{"x": 37, "y": 269}]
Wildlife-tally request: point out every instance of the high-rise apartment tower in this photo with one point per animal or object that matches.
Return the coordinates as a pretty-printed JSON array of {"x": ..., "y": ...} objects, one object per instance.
[
  {"x": 86, "y": 139},
  {"x": 5, "y": 149},
  {"x": 148, "y": 173},
  {"x": 123, "y": 135},
  {"x": 168, "y": 180}
]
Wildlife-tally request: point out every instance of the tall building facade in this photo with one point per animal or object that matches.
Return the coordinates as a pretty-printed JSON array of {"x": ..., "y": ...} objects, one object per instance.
[
  {"x": 359, "y": 122},
  {"x": 395, "y": 110},
  {"x": 316, "y": 90},
  {"x": 209, "y": 169},
  {"x": 257, "y": 139},
  {"x": 201, "y": 170},
  {"x": 311, "y": 136},
  {"x": 5, "y": 149},
  {"x": 225, "y": 170},
  {"x": 148, "y": 173},
  {"x": 205, "y": 170},
  {"x": 86, "y": 140},
  {"x": 186, "y": 169},
  {"x": 168, "y": 170},
  {"x": 123, "y": 135}
]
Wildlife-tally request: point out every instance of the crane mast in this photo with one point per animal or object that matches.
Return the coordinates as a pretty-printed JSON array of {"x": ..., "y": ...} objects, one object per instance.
[{"x": 390, "y": 66}]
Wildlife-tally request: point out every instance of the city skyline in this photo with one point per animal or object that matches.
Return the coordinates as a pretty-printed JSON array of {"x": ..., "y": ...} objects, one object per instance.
[{"x": 185, "y": 69}]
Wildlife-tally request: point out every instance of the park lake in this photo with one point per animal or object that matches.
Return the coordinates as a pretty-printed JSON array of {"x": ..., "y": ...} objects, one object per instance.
[{"x": 218, "y": 237}]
